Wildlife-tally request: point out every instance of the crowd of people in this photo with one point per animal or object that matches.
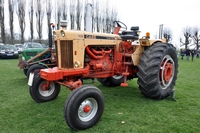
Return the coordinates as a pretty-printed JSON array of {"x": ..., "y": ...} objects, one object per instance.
[{"x": 189, "y": 53}]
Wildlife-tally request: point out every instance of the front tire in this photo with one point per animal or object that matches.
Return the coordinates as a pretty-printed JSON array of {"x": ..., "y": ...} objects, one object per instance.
[
  {"x": 158, "y": 70},
  {"x": 84, "y": 107},
  {"x": 40, "y": 92}
]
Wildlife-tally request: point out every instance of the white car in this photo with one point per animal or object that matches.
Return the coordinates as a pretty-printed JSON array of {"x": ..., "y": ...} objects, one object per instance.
[{"x": 19, "y": 48}]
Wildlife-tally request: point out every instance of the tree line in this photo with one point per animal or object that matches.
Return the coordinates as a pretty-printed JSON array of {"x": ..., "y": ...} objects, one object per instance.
[
  {"x": 190, "y": 34},
  {"x": 74, "y": 11},
  {"x": 193, "y": 34}
]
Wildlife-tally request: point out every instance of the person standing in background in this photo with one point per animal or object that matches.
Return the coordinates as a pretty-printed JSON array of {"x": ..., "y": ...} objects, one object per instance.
[
  {"x": 192, "y": 53},
  {"x": 187, "y": 54}
]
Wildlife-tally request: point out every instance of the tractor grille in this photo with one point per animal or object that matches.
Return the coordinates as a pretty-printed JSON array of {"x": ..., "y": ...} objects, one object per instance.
[
  {"x": 66, "y": 52},
  {"x": 31, "y": 53}
]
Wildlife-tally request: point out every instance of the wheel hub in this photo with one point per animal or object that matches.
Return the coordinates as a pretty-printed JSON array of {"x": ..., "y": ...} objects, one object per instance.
[
  {"x": 86, "y": 109},
  {"x": 44, "y": 87},
  {"x": 168, "y": 70},
  {"x": 46, "y": 90}
]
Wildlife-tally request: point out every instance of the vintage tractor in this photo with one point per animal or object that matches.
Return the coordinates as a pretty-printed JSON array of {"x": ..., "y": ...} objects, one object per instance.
[{"x": 112, "y": 59}]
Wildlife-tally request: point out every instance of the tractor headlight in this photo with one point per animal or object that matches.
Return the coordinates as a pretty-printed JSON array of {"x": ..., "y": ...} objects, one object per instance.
[
  {"x": 62, "y": 33},
  {"x": 147, "y": 34},
  {"x": 76, "y": 64}
]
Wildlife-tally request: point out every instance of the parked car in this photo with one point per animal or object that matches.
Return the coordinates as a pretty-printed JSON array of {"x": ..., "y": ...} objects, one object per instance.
[
  {"x": 44, "y": 46},
  {"x": 19, "y": 48},
  {"x": 28, "y": 45},
  {"x": 8, "y": 51},
  {"x": 1, "y": 46},
  {"x": 31, "y": 49}
]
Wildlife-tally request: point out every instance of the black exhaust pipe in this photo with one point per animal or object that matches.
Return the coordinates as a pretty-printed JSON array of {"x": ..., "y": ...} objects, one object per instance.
[{"x": 50, "y": 35}]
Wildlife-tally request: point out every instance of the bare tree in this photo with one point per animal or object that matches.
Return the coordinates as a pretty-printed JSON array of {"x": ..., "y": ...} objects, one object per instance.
[
  {"x": 21, "y": 9},
  {"x": 98, "y": 16},
  {"x": 64, "y": 8},
  {"x": 102, "y": 16},
  {"x": 30, "y": 13},
  {"x": 58, "y": 13},
  {"x": 93, "y": 15},
  {"x": 11, "y": 19},
  {"x": 49, "y": 8},
  {"x": 79, "y": 8},
  {"x": 72, "y": 13},
  {"x": 39, "y": 11},
  {"x": 107, "y": 17},
  {"x": 113, "y": 17},
  {"x": 187, "y": 32},
  {"x": 2, "y": 18},
  {"x": 102, "y": 20},
  {"x": 86, "y": 11},
  {"x": 196, "y": 36},
  {"x": 167, "y": 33}
]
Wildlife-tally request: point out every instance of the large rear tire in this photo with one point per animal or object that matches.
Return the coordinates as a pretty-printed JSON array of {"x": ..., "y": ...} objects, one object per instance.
[
  {"x": 112, "y": 81},
  {"x": 158, "y": 70},
  {"x": 40, "y": 92},
  {"x": 84, "y": 107}
]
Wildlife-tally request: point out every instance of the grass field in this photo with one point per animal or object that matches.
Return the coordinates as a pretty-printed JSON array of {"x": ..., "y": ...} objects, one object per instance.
[{"x": 20, "y": 113}]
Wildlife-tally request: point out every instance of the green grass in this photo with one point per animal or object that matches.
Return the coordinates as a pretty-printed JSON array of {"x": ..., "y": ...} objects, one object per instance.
[{"x": 20, "y": 113}]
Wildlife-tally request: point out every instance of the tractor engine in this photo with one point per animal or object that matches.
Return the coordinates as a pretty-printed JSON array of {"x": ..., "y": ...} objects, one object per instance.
[
  {"x": 95, "y": 53},
  {"x": 82, "y": 54}
]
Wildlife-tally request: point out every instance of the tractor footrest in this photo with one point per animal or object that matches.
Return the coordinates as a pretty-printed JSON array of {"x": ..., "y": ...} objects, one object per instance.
[
  {"x": 124, "y": 84},
  {"x": 125, "y": 74}
]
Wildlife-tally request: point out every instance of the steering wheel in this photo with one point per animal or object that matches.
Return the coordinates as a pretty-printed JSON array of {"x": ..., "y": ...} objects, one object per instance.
[{"x": 120, "y": 24}]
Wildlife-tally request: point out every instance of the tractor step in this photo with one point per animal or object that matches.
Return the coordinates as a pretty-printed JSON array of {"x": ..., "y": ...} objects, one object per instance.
[
  {"x": 124, "y": 84},
  {"x": 128, "y": 63},
  {"x": 125, "y": 73}
]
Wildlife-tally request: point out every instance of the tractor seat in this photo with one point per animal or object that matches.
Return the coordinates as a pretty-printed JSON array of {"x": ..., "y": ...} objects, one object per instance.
[{"x": 130, "y": 35}]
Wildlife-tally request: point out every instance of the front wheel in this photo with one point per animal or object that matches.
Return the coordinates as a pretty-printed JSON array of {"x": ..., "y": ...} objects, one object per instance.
[
  {"x": 84, "y": 107},
  {"x": 40, "y": 92},
  {"x": 157, "y": 71}
]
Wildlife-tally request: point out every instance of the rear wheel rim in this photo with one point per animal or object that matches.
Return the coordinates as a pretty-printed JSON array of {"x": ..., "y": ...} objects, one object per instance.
[
  {"x": 87, "y": 109},
  {"x": 166, "y": 71}
]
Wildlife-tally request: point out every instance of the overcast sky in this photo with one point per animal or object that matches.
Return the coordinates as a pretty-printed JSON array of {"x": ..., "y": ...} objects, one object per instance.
[{"x": 149, "y": 14}]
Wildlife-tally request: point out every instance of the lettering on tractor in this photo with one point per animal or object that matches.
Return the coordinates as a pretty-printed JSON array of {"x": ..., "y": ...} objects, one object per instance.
[{"x": 112, "y": 59}]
